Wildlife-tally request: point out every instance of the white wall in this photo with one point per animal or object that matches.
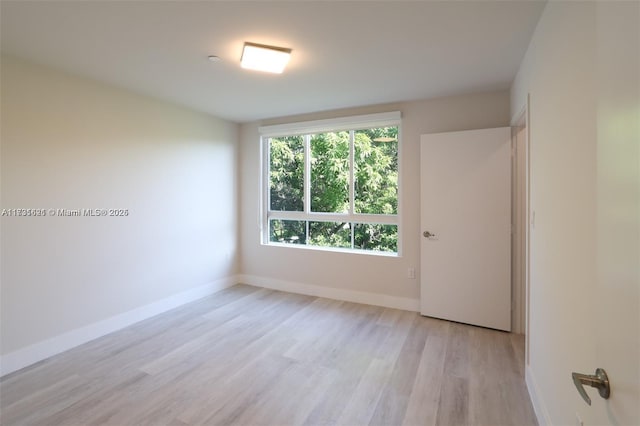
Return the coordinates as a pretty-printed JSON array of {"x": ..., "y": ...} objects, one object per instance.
[
  {"x": 583, "y": 87},
  {"x": 358, "y": 277},
  {"x": 73, "y": 143}
]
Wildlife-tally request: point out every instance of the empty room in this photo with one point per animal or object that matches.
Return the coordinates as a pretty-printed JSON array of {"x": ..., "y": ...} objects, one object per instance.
[{"x": 319, "y": 213}]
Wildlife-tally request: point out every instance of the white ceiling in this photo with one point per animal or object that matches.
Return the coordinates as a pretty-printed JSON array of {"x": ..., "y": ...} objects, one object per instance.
[{"x": 344, "y": 53}]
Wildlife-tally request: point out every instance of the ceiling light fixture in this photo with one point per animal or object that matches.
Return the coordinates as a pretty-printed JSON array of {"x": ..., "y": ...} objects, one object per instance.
[{"x": 264, "y": 58}]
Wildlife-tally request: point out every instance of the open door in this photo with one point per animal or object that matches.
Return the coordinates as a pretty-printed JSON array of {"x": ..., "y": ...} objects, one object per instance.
[
  {"x": 466, "y": 225},
  {"x": 616, "y": 302}
]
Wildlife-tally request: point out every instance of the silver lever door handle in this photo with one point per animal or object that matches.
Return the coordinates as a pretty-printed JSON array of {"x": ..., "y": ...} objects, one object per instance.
[{"x": 600, "y": 380}]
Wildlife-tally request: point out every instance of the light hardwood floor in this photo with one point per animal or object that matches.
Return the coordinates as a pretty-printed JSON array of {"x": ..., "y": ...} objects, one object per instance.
[{"x": 250, "y": 356}]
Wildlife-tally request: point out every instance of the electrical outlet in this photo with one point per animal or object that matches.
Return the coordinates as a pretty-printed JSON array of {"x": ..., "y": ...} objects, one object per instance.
[{"x": 411, "y": 273}]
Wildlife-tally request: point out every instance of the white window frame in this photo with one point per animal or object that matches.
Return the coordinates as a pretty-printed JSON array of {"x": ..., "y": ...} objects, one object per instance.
[{"x": 307, "y": 128}]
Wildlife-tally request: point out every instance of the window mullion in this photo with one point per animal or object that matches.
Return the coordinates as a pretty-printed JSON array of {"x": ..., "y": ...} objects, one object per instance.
[
  {"x": 307, "y": 183},
  {"x": 351, "y": 173},
  {"x": 307, "y": 174},
  {"x": 353, "y": 234},
  {"x": 352, "y": 183},
  {"x": 306, "y": 232},
  {"x": 266, "y": 199}
]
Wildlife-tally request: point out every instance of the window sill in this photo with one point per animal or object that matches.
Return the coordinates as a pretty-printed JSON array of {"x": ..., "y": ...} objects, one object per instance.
[{"x": 333, "y": 249}]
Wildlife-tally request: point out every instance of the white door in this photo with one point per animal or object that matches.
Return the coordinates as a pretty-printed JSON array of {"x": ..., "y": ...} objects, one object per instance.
[
  {"x": 466, "y": 205},
  {"x": 616, "y": 302}
]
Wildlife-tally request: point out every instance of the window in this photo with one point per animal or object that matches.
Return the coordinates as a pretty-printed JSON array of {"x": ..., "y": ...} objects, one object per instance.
[{"x": 333, "y": 183}]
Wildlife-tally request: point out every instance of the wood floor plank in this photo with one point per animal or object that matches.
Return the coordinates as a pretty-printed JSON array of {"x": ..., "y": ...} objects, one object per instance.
[
  {"x": 350, "y": 355},
  {"x": 44, "y": 401},
  {"x": 422, "y": 408},
  {"x": 364, "y": 400},
  {"x": 280, "y": 406},
  {"x": 228, "y": 311},
  {"x": 101, "y": 401},
  {"x": 453, "y": 406},
  {"x": 332, "y": 403},
  {"x": 242, "y": 392},
  {"x": 496, "y": 382},
  {"x": 251, "y": 356},
  {"x": 458, "y": 351},
  {"x": 392, "y": 405},
  {"x": 390, "y": 316},
  {"x": 198, "y": 344},
  {"x": 398, "y": 330}
]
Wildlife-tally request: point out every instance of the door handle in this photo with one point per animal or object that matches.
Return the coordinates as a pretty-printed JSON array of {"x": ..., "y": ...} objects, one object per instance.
[
  {"x": 428, "y": 234},
  {"x": 600, "y": 380}
]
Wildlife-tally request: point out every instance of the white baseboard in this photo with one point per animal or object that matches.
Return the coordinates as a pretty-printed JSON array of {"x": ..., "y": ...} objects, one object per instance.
[
  {"x": 367, "y": 298},
  {"x": 37, "y": 352},
  {"x": 538, "y": 404}
]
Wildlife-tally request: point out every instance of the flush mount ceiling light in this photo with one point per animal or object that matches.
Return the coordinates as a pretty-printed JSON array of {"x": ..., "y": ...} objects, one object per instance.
[{"x": 264, "y": 58}]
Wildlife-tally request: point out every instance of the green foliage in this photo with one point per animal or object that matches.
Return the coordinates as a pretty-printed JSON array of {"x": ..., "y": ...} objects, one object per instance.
[
  {"x": 376, "y": 171},
  {"x": 375, "y": 187},
  {"x": 330, "y": 234},
  {"x": 288, "y": 231},
  {"x": 286, "y": 173},
  {"x": 330, "y": 172},
  {"x": 376, "y": 237}
]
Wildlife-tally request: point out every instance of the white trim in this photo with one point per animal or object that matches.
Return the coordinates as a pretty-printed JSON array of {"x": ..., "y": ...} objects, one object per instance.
[
  {"x": 400, "y": 204},
  {"x": 352, "y": 175},
  {"x": 306, "y": 178},
  {"x": 333, "y": 249},
  {"x": 39, "y": 351},
  {"x": 517, "y": 118},
  {"x": 355, "y": 296},
  {"x": 265, "y": 193},
  {"x": 542, "y": 414},
  {"x": 383, "y": 219},
  {"x": 332, "y": 124},
  {"x": 522, "y": 118}
]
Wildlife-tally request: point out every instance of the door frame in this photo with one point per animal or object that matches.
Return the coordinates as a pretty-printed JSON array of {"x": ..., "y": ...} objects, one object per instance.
[{"x": 519, "y": 122}]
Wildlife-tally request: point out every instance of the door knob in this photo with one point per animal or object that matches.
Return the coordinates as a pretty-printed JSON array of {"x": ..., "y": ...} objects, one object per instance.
[
  {"x": 428, "y": 234},
  {"x": 600, "y": 380}
]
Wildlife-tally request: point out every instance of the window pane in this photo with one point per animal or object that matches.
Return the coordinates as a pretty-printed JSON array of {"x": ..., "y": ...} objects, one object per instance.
[
  {"x": 330, "y": 172},
  {"x": 375, "y": 237},
  {"x": 286, "y": 173},
  {"x": 376, "y": 170},
  {"x": 330, "y": 234},
  {"x": 288, "y": 231}
]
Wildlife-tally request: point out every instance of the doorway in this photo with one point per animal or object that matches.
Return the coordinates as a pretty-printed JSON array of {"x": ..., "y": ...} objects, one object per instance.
[{"x": 520, "y": 178}]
